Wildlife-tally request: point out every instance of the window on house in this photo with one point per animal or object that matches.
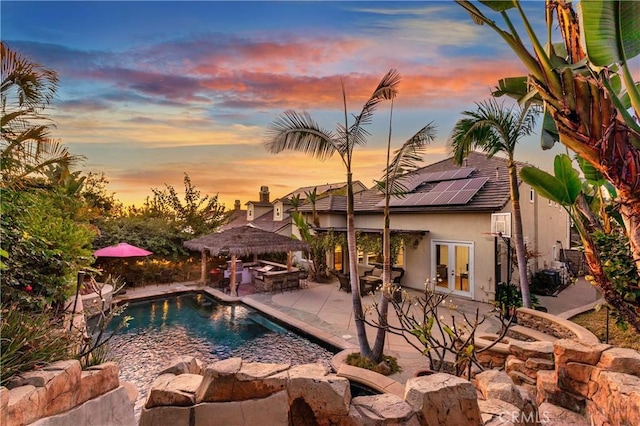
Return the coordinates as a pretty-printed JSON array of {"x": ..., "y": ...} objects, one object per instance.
[
  {"x": 532, "y": 195},
  {"x": 337, "y": 259},
  {"x": 400, "y": 258}
]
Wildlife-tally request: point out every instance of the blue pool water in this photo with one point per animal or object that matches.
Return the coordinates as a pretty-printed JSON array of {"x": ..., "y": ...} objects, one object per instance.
[{"x": 197, "y": 325}]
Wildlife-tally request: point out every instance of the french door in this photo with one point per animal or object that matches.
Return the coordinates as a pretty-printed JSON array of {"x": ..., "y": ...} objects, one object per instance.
[{"x": 452, "y": 266}]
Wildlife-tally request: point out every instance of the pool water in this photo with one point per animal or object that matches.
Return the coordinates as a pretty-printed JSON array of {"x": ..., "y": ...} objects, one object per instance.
[{"x": 199, "y": 326}]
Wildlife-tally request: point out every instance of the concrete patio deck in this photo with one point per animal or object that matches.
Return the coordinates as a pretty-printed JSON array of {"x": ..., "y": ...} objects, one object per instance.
[{"x": 323, "y": 311}]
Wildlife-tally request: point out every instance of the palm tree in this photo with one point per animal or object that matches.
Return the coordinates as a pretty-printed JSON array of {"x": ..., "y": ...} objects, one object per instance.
[
  {"x": 312, "y": 197},
  {"x": 27, "y": 146},
  {"x": 299, "y": 132},
  {"x": 494, "y": 129},
  {"x": 405, "y": 160}
]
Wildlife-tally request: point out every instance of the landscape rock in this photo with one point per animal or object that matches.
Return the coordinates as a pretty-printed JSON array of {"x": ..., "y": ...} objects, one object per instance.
[
  {"x": 574, "y": 377},
  {"x": 618, "y": 395},
  {"x": 385, "y": 409},
  {"x": 552, "y": 415},
  {"x": 497, "y": 412},
  {"x": 526, "y": 350},
  {"x": 218, "y": 381},
  {"x": 566, "y": 350},
  {"x": 97, "y": 380},
  {"x": 26, "y": 404},
  {"x": 259, "y": 380},
  {"x": 443, "y": 400},
  {"x": 327, "y": 395},
  {"x": 112, "y": 408},
  {"x": 4, "y": 405},
  {"x": 620, "y": 360},
  {"x": 272, "y": 410},
  {"x": 183, "y": 365},
  {"x": 174, "y": 390},
  {"x": 547, "y": 390},
  {"x": 165, "y": 416},
  {"x": 495, "y": 384}
]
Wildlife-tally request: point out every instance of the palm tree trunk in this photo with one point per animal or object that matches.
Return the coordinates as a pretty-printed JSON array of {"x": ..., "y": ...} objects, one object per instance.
[
  {"x": 385, "y": 293},
  {"x": 358, "y": 312},
  {"x": 521, "y": 253}
]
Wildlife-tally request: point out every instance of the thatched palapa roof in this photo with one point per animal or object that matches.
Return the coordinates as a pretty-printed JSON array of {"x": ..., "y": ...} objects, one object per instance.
[{"x": 244, "y": 241}]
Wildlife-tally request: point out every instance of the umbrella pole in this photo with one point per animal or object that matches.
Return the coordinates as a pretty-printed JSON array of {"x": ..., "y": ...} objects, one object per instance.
[{"x": 232, "y": 276}]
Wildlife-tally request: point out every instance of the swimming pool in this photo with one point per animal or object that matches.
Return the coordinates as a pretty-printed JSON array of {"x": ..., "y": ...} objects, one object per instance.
[{"x": 195, "y": 324}]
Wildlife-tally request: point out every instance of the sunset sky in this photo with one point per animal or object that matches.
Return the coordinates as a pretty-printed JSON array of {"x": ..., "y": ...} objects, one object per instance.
[{"x": 151, "y": 90}]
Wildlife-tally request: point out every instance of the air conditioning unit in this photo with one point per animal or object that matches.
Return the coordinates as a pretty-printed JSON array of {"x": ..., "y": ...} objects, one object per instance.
[{"x": 501, "y": 224}]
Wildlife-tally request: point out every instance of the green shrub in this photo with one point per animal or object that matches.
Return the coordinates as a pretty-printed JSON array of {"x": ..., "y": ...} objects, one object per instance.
[
  {"x": 45, "y": 247},
  {"x": 29, "y": 340},
  {"x": 357, "y": 360}
]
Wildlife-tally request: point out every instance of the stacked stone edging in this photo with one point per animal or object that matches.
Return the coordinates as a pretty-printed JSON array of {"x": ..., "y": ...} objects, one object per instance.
[
  {"x": 58, "y": 388},
  {"x": 553, "y": 325}
]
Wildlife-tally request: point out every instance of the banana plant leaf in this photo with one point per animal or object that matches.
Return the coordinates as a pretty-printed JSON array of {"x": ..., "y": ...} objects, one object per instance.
[
  {"x": 611, "y": 30},
  {"x": 563, "y": 188}
]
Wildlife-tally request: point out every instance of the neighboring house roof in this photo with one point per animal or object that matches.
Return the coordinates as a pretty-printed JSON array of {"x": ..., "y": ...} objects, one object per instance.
[
  {"x": 237, "y": 218},
  {"x": 491, "y": 174},
  {"x": 322, "y": 189}
]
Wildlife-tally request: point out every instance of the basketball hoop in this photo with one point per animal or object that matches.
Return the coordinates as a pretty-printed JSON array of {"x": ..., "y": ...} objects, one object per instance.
[{"x": 501, "y": 225}]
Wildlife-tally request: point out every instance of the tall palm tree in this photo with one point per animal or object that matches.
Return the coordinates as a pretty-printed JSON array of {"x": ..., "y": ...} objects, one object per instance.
[
  {"x": 25, "y": 91},
  {"x": 494, "y": 129},
  {"x": 299, "y": 132},
  {"x": 405, "y": 160},
  {"x": 312, "y": 197}
]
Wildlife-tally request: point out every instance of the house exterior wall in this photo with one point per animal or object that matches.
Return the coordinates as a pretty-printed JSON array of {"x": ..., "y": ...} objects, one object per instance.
[
  {"x": 278, "y": 211},
  {"x": 544, "y": 224},
  {"x": 455, "y": 227}
]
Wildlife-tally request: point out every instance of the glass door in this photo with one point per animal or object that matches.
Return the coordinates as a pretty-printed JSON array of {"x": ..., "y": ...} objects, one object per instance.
[{"x": 452, "y": 263}]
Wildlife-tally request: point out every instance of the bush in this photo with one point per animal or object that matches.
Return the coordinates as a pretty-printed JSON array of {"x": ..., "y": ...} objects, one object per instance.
[
  {"x": 45, "y": 247},
  {"x": 357, "y": 360},
  {"x": 30, "y": 340}
]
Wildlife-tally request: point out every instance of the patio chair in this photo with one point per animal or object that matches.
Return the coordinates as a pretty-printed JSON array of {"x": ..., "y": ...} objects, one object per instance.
[
  {"x": 302, "y": 279},
  {"x": 165, "y": 276},
  {"x": 345, "y": 281}
]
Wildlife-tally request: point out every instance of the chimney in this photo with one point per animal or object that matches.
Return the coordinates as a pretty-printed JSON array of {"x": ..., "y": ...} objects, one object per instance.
[
  {"x": 264, "y": 194},
  {"x": 236, "y": 205}
]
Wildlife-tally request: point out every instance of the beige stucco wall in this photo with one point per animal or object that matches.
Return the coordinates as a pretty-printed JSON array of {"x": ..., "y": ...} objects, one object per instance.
[
  {"x": 544, "y": 224},
  {"x": 454, "y": 227}
]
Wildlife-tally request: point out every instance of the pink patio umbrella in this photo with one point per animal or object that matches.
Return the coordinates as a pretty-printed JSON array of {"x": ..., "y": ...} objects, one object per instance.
[{"x": 121, "y": 250}]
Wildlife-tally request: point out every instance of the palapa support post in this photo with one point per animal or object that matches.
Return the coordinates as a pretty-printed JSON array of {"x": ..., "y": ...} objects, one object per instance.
[
  {"x": 289, "y": 255},
  {"x": 232, "y": 277},
  {"x": 203, "y": 266}
]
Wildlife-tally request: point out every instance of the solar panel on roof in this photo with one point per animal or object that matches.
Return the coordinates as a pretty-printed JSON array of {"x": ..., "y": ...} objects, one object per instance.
[
  {"x": 451, "y": 192},
  {"x": 412, "y": 181}
]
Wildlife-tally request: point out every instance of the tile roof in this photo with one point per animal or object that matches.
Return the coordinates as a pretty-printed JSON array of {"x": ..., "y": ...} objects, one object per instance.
[{"x": 493, "y": 195}]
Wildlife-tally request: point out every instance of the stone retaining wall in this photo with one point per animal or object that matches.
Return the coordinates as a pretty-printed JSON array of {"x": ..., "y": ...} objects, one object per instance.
[
  {"x": 553, "y": 325},
  {"x": 240, "y": 393},
  {"x": 61, "y": 393},
  {"x": 594, "y": 379}
]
